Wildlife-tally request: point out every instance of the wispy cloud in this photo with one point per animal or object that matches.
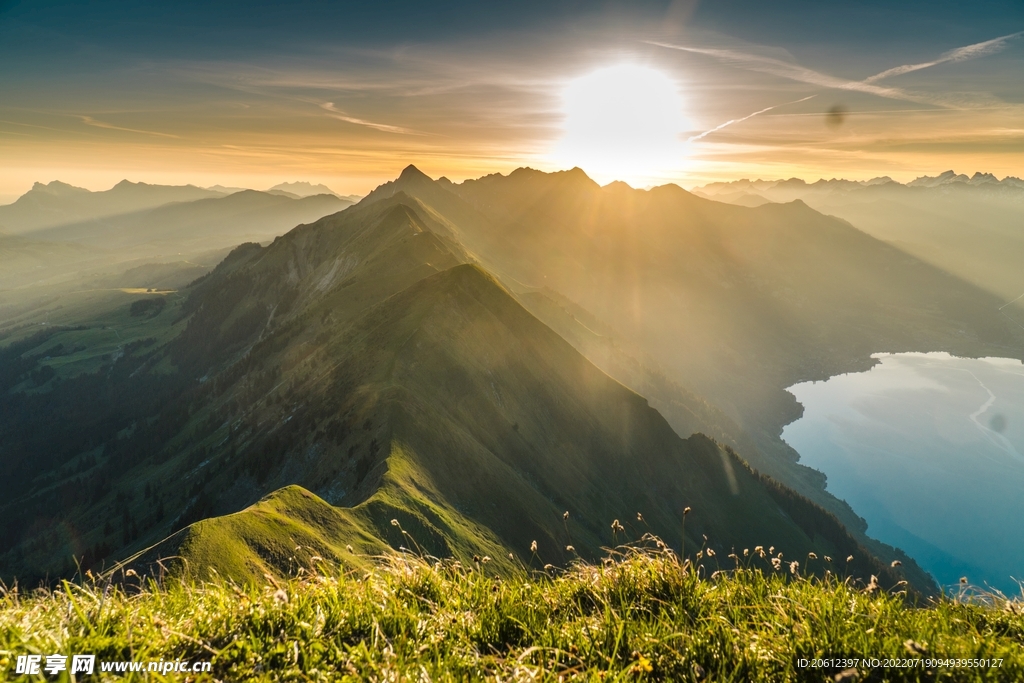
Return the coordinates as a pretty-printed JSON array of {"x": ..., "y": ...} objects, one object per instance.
[
  {"x": 342, "y": 116},
  {"x": 960, "y": 54},
  {"x": 90, "y": 121},
  {"x": 748, "y": 116},
  {"x": 802, "y": 74},
  {"x": 795, "y": 72}
]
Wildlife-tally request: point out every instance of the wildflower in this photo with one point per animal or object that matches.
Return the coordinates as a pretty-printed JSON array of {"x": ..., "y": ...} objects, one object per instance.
[
  {"x": 828, "y": 559},
  {"x": 512, "y": 557},
  {"x": 811, "y": 556},
  {"x": 794, "y": 568},
  {"x": 533, "y": 547},
  {"x": 896, "y": 563},
  {"x": 476, "y": 559},
  {"x": 348, "y": 548},
  {"x": 776, "y": 563},
  {"x": 548, "y": 567},
  {"x": 281, "y": 596},
  {"x": 639, "y": 517},
  {"x": 565, "y": 515},
  {"x": 746, "y": 552},
  {"x": 130, "y": 572},
  {"x": 963, "y": 580},
  {"x": 711, "y": 553},
  {"x": 617, "y": 527},
  {"x": 850, "y": 558},
  {"x": 686, "y": 511},
  {"x": 394, "y": 522},
  {"x": 485, "y": 559},
  {"x": 570, "y": 549},
  {"x": 771, "y": 550},
  {"x": 873, "y": 585}
]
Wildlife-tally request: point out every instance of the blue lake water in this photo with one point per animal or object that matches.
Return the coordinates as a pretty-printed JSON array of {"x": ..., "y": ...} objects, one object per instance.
[{"x": 927, "y": 447}]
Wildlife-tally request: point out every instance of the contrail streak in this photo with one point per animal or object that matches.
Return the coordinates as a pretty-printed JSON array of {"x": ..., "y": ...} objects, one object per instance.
[
  {"x": 338, "y": 114},
  {"x": 90, "y": 121},
  {"x": 870, "y": 85},
  {"x": 748, "y": 116},
  {"x": 960, "y": 54},
  {"x": 795, "y": 72}
]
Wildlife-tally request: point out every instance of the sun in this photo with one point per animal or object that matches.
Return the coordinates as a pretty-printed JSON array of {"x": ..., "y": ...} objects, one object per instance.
[{"x": 622, "y": 122}]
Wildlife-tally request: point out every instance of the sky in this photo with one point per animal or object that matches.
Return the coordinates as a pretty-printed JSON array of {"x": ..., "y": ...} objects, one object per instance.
[{"x": 348, "y": 93}]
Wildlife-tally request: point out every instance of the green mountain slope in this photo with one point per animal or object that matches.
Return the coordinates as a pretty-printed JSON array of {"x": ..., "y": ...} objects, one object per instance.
[
  {"x": 288, "y": 529},
  {"x": 362, "y": 358}
]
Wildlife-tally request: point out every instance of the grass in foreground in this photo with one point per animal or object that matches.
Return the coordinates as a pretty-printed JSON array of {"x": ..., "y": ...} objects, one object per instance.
[{"x": 637, "y": 616}]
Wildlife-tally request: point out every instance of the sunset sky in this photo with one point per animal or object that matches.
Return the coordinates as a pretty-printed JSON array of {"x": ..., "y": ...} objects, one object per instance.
[{"x": 252, "y": 94}]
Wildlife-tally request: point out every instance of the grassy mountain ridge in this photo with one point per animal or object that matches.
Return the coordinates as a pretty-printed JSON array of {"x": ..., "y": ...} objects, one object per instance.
[
  {"x": 453, "y": 436},
  {"x": 362, "y": 358}
]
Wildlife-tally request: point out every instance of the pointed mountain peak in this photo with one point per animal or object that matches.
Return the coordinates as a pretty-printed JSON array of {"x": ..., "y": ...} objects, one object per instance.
[
  {"x": 410, "y": 172},
  {"x": 578, "y": 174}
]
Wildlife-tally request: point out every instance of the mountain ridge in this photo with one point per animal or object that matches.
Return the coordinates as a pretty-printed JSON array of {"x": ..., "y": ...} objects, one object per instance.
[{"x": 366, "y": 358}]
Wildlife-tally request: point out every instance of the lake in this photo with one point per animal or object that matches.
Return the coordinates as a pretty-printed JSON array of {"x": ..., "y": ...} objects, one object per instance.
[{"x": 927, "y": 447}]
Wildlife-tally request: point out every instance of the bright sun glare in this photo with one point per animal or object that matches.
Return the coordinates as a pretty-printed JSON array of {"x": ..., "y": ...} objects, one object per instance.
[{"x": 622, "y": 122}]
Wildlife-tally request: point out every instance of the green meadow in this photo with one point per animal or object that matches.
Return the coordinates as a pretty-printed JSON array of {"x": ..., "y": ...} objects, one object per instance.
[{"x": 639, "y": 614}]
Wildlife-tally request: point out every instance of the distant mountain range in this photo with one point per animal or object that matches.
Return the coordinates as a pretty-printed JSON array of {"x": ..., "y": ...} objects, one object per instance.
[
  {"x": 83, "y": 233},
  {"x": 57, "y": 203},
  {"x": 948, "y": 178},
  {"x": 454, "y": 367},
  {"x": 968, "y": 226}
]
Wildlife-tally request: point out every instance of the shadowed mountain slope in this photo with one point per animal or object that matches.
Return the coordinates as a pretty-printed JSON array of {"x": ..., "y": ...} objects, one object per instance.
[
  {"x": 734, "y": 303},
  {"x": 362, "y": 358}
]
